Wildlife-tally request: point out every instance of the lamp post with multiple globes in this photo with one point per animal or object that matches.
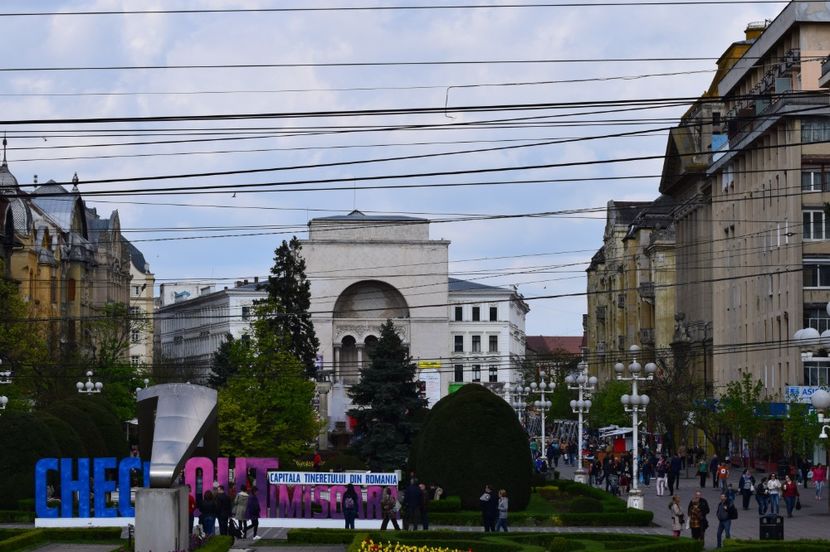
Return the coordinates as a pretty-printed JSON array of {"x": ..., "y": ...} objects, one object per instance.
[
  {"x": 585, "y": 385},
  {"x": 635, "y": 404},
  {"x": 89, "y": 387}
]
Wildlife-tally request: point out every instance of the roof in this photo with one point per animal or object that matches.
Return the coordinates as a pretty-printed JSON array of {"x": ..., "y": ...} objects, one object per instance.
[
  {"x": 8, "y": 183},
  {"x": 550, "y": 343},
  {"x": 358, "y": 216},
  {"x": 137, "y": 258},
  {"x": 58, "y": 204},
  {"x": 625, "y": 211},
  {"x": 463, "y": 285}
]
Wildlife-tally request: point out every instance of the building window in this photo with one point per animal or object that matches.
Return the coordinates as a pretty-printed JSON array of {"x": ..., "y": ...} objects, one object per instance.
[
  {"x": 459, "y": 344},
  {"x": 816, "y": 373},
  {"x": 476, "y": 314},
  {"x": 816, "y": 274},
  {"x": 813, "y": 179},
  {"x": 494, "y": 314},
  {"x": 477, "y": 372},
  {"x": 816, "y": 317},
  {"x": 459, "y": 372},
  {"x": 493, "y": 345},
  {"x": 246, "y": 313},
  {"x": 70, "y": 289},
  {"x": 494, "y": 373},
  {"x": 476, "y": 343},
  {"x": 134, "y": 311},
  {"x": 814, "y": 130},
  {"x": 459, "y": 314},
  {"x": 135, "y": 360},
  {"x": 53, "y": 290},
  {"x": 815, "y": 225},
  {"x": 135, "y": 336},
  {"x": 137, "y": 290}
]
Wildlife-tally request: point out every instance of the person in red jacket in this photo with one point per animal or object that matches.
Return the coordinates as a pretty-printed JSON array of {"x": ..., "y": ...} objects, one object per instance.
[
  {"x": 191, "y": 507},
  {"x": 790, "y": 491}
]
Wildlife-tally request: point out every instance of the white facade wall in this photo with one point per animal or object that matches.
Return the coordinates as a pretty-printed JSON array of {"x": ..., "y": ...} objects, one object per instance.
[{"x": 141, "y": 309}]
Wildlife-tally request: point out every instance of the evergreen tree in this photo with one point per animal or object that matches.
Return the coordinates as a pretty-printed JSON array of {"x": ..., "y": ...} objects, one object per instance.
[
  {"x": 225, "y": 362},
  {"x": 386, "y": 404},
  {"x": 288, "y": 302}
]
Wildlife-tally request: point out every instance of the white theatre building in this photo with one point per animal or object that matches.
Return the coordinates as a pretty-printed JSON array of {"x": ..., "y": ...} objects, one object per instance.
[{"x": 364, "y": 270}]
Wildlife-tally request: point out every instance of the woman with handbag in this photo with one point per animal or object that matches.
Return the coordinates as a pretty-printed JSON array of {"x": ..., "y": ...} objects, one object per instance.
[
  {"x": 677, "y": 517},
  {"x": 389, "y": 508}
]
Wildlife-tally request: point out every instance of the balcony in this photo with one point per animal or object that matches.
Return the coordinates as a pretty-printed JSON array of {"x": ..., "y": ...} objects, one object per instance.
[{"x": 646, "y": 290}]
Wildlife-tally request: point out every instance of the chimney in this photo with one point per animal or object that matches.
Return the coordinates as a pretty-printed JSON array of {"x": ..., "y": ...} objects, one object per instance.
[
  {"x": 238, "y": 283},
  {"x": 245, "y": 282},
  {"x": 256, "y": 279}
]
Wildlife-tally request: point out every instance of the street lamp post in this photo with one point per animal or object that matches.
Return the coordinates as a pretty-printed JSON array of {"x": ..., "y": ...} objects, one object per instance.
[
  {"x": 635, "y": 404},
  {"x": 518, "y": 400},
  {"x": 542, "y": 404},
  {"x": 5, "y": 379},
  {"x": 89, "y": 387},
  {"x": 585, "y": 385},
  {"x": 146, "y": 385}
]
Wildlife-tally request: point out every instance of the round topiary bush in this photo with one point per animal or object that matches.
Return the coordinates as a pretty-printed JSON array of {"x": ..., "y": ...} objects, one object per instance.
[
  {"x": 23, "y": 441},
  {"x": 471, "y": 438},
  {"x": 68, "y": 440},
  {"x": 105, "y": 420},
  {"x": 585, "y": 505},
  {"x": 87, "y": 431}
]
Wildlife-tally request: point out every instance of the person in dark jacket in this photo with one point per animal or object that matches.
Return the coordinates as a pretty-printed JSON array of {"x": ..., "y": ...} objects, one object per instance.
[
  {"x": 208, "y": 516},
  {"x": 424, "y": 507},
  {"x": 252, "y": 513},
  {"x": 349, "y": 504},
  {"x": 223, "y": 509},
  {"x": 412, "y": 501},
  {"x": 725, "y": 514},
  {"x": 697, "y": 512},
  {"x": 489, "y": 504}
]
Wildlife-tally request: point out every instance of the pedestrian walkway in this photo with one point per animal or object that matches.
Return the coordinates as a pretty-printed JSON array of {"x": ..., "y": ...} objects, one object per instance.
[
  {"x": 811, "y": 522},
  {"x": 64, "y": 547}
]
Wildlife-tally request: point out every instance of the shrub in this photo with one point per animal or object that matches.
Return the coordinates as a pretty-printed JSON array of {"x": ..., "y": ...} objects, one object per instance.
[
  {"x": 448, "y": 504},
  {"x": 318, "y": 536},
  {"x": 88, "y": 432},
  {"x": 217, "y": 543},
  {"x": 16, "y": 516},
  {"x": 66, "y": 437},
  {"x": 23, "y": 441},
  {"x": 100, "y": 413},
  {"x": 24, "y": 540},
  {"x": 470, "y": 438},
  {"x": 585, "y": 505}
]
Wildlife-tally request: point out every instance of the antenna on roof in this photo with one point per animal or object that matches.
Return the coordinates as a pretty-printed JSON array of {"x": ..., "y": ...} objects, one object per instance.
[{"x": 4, "y": 148}]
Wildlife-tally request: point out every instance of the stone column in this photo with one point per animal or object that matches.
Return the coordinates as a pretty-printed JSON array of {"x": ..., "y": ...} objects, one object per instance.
[{"x": 336, "y": 366}]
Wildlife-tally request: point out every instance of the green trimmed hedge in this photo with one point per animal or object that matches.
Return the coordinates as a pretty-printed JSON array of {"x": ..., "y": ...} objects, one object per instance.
[
  {"x": 358, "y": 540},
  {"x": 778, "y": 546},
  {"x": 32, "y": 537},
  {"x": 16, "y": 516},
  {"x": 24, "y": 540},
  {"x": 448, "y": 504},
  {"x": 586, "y": 505},
  {"x": 317, "y": 536}
]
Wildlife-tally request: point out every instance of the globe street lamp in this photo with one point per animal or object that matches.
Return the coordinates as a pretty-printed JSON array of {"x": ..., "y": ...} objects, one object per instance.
[
  {"x": 542, "y": 404},
  {"x": 635, "y": 404},
  {"x": 89, "y": 387},
  {"x": 146, "y": 385},
  {"x": 5, "y": 379},
  {"x": 518, "y": 400},
  {"x": 821, "y": 402},
  {"x": 585, "y": 385}
]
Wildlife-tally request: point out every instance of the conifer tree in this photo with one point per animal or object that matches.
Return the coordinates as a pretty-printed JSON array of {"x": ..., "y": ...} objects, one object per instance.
[
  {"x": 287, "y": 306},
  {"x": 386, "y": 404}
]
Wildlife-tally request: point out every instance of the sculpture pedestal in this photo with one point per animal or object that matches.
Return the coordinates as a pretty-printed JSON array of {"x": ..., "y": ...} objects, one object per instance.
[
  {"x": 161, "y": 520},
  {"x": 581, "y": 476},
  {"x": 635, "y": 499}
]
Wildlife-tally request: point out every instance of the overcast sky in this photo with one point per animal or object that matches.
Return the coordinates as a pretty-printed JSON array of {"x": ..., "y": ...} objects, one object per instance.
[{"x": 541, "y": 255}]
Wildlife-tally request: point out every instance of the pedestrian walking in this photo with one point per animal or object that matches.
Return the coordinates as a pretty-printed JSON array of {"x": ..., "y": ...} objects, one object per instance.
[
  {"x": 389, "y": 508},
  {"x": 191, "y": 509},
  {"x": 412, "y": 501},
  {"x": 208, "y": 514},
  {"x": 489, "y": 504},
  {"x": 677, "y": 517},
  {"x": 348, "y": 505},
  {"x": 723, "y": 475},
  {"x": 791, "y": 496},
  {"x": 726, "y": 512},
  {"x": 662, "y": 472},
  {"x": 424, "y": 506},
  {"x": 746, "y": 486},
  {"x": 774, "y": 493},
  {"x": 223, "y": 509},
  {"x": 762, "y": 496},
  {"x": 697, "y": 511},
  {"x": 240, "y": 510},
  {"x": 819, "y": 478},
  {"x": 702, "y": 471},
  {"x": 252, "y": 513},
  {"x": 674, "y": 473},
  {"x": 501, "y": 523},
  {"x": 713, "y": 469}
]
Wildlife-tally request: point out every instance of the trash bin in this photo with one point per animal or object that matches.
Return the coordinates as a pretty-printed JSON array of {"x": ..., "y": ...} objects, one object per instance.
[{"x": 772, "y": 528}]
